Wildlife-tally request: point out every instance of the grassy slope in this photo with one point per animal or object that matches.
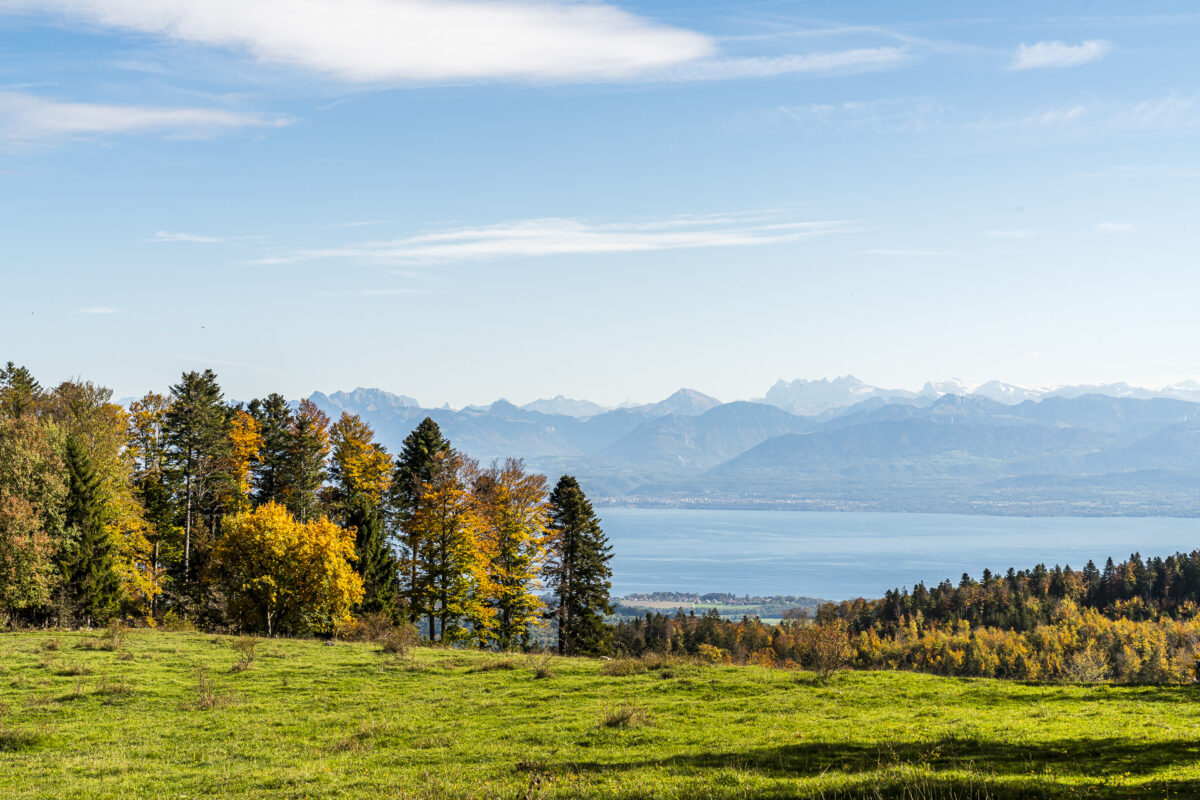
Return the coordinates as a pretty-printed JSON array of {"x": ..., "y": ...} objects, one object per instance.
[{"x": 310, "y": 720}]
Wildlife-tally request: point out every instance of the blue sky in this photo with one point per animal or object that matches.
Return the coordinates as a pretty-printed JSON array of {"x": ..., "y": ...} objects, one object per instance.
[{"x": 461, "y": 201}]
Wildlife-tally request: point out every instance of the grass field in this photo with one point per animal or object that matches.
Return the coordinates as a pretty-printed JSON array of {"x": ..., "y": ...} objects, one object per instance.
[{"x": 174, "y": 715}]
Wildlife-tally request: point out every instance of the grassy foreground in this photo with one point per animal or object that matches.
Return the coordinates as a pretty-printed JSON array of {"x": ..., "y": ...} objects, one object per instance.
[{"x": 168, "y": 715}]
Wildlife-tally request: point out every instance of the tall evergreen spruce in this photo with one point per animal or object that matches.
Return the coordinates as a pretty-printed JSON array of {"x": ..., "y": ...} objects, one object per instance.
[
  {"x": 308, "y": 451},
  {"x": 577, "y": 571},
  {"x": 195, "y": 428},
  {"x": 19, "y": 391},
  {"x": 271, "y": 468},
  {"x": 376, "y": 562},
  {"x": 415, "y": 466},
  {"x": 91, "y": 583}
]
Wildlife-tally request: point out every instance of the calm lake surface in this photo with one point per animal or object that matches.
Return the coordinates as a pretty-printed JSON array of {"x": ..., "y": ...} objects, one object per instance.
[{"x": 841, "y": 555}]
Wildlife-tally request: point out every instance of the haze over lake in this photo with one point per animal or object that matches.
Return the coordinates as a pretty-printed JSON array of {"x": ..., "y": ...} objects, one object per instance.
[{"x": 841, "y": 555}]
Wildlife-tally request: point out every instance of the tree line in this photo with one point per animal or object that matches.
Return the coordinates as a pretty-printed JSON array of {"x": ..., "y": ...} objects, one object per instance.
[{"x": 271, "y": 517}]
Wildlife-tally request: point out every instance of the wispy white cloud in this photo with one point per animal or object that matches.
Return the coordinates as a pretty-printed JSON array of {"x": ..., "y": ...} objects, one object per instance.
[
  {"x": 892, "y": 114},
  {"x": 99, "y": 310},
  {"x": 29, "y": 118},
  {"x": 1059, "y": 54},
  {"x": 556, "y": 236},
  {"x": 1115, "y": 227},
  {"x": 906, "y": 253},
  {"x": 403, "y": 41},
  {"x": 1010, "y": 233},
  {"x": 1172, "y": 112},
  {"x": 835, "y": 62},
  {"x": 169, "y": 236},
  {"x": 368, "y": 292}
]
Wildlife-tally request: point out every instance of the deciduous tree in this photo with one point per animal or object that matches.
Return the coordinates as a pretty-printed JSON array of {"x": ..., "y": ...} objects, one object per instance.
[
  {"x": 361, "y": 473},
  {"x": 512, "y": 539},
  {"x": 282, "y": 575},
  {"x": 32, "y": 494}
]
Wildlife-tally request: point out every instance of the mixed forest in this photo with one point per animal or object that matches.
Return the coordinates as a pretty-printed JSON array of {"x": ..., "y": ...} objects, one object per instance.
[
  {"x": 264, "y": 517},
  {"x": 268, "y": 517}
]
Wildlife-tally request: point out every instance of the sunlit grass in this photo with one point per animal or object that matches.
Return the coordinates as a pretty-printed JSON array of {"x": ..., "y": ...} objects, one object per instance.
[{"x": 182, "y": 715}]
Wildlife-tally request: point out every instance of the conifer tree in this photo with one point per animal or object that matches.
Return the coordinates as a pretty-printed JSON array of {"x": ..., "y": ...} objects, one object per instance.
[
  {"x": 577, "y": 571},
  {"x": 19, "y": 391},
  {"x": 414, "y": 470},
  {"x": 376, "y": 564},
  {"x": 271, "y": 468},
  {"x": 91, "y": 583},
  {"x": 308, "y": 450},
  {"x": 197, "y": 448}
]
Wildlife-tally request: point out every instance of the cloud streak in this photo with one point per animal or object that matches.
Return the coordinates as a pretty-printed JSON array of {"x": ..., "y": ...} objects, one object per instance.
[
  {"x": 407, "y": 41},
  {"x": 169, "y": 236},
  {"x": 841, "y": 62},
  {"x": 1059, "y": 54},
  {"x": 557, "y": 236},
  {"x": 27, "y": 117}
]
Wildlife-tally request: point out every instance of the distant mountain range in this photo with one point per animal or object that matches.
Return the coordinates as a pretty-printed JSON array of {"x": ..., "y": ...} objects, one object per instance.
[{"x": 842, "y": 444}]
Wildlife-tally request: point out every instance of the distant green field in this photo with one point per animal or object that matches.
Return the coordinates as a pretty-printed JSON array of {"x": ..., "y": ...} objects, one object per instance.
[{"x": 308, "y": 720}]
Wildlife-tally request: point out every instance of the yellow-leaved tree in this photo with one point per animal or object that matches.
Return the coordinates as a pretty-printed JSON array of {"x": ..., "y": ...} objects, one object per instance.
[
  {"x": 285, "y": 576},
  {"x": 245, "y": 439},
  {"x": 449, "y": 564},
  {"x": 361, "y": 468},
  {"x": 513, "y": 528},
  {"x": 85, "y": 411}
]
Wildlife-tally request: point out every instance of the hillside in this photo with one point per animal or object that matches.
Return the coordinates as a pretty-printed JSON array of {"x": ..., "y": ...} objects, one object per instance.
[
  {"x": 1053, "y": 454},
  {"x": 164, "y": 715}
]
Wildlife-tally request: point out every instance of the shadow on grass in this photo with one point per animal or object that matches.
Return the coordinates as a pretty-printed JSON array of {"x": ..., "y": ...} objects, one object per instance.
[
  {"x": 12, "y": 741},
  {"x": 1095, "y": 759}
]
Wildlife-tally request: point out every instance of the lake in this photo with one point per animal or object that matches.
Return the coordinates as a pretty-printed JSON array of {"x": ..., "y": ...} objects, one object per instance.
[{"x": 841, "y": 555}]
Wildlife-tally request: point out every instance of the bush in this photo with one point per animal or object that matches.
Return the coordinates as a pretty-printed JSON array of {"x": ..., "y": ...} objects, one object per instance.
[
  {"x": 395, "y": 638},
  {"x": 625, "y": 716},
  {"x": 114, "y": 637},
  {"x": 623, "y": 667},
  {"x": 245, "y": 649}
]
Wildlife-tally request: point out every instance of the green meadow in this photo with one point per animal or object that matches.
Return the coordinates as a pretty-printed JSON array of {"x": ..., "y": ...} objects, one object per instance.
[{"x": 189, "y": 715}]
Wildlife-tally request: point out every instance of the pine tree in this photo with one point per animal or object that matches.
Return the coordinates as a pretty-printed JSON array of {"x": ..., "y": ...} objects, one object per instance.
[
  {"x": 414, "y": 470},
  {"x": 197, "y": 449},
  {"x": 271, "y": 469},
  {"x": 577, "y": 571},
  {"x": 308, "y": 450},
  {"x": 92, "y": 585},
  {"x": 376, "y": 564},
  {"x": 19, "y": 391}
]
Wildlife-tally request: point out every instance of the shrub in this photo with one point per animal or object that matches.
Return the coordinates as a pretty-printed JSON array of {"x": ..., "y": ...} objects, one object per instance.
[
  {"x": 206, "y": 695},
  {"x": 398, "y": 639},
  {"x": 625, "y": 716},
  {"x": 245, "y": 653},
  {"x": 623, "y": 667},
  {"x": 114, "y": 637}
]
